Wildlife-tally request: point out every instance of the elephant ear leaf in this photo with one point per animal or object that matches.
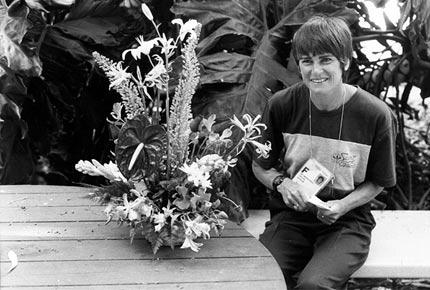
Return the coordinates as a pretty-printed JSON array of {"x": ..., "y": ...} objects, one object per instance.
[
  {"x": 95, "y": 22},
  {"x": 149, "y": 140}
]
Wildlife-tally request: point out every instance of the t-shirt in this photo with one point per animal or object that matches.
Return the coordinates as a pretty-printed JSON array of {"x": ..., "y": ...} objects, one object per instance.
[{"x": 365, "y": 151}]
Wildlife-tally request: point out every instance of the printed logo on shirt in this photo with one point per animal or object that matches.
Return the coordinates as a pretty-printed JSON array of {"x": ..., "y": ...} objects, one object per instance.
[{"x": 345, "y": 159}]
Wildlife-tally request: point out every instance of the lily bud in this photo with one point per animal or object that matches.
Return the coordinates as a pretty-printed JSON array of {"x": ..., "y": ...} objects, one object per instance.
[{"x": 147, "y": 12}]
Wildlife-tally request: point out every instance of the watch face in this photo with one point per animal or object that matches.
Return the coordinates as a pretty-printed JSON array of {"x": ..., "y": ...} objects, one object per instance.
[{"x": 278, "y": 180}]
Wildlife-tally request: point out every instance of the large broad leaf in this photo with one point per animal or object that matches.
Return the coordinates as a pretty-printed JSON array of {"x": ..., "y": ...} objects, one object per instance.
[
  {"x": 220, "y": 18},
  {"x": 153, "y": 138},
  {"x": 95, "y": 22},
  {"x": 12, "y": 31}
]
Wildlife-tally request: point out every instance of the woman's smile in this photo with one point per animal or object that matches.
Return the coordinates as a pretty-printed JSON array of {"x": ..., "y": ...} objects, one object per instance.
[{"x": 318, "y": 81}]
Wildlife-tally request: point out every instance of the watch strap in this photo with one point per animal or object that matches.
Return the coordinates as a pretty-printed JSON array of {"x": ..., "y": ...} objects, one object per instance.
[{"x": 276, "y": 182}]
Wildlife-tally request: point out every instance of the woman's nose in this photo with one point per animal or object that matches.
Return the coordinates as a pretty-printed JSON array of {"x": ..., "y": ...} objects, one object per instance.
[{"x": 316, "y": 67}]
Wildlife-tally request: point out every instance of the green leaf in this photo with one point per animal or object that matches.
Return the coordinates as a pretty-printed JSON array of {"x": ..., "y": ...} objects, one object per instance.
[{"x": 134, "y": 132}]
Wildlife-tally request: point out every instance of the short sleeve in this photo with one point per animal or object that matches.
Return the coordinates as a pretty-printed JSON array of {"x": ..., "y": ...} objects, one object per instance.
[
  {"x": 272, "y": 134},
  {"x": 382, "y": 159}
]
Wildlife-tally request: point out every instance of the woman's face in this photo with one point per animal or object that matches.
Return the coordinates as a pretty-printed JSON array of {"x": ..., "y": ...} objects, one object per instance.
[{"x": 321, "y": 73}]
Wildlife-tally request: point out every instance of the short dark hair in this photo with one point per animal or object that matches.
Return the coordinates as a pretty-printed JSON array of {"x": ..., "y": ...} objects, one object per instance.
[{"x": 323, "y": 34}]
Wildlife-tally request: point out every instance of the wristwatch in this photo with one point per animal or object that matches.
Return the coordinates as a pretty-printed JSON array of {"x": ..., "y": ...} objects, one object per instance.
[{"x": 276, "y": 182}]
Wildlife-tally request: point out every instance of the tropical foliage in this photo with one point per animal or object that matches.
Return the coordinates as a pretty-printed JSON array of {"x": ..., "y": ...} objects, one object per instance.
[{"x": 54, "y": 103}]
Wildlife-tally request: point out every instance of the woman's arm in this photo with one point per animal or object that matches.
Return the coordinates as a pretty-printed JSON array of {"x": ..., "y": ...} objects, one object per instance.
[
  {"x": 364, "y": 193},
  {"x": 265, "y": 176},
  {"x": 291, "y": 192}
]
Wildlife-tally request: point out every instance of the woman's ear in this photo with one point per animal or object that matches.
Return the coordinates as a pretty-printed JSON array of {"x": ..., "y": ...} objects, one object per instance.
[{"x": 346, "y": 64}]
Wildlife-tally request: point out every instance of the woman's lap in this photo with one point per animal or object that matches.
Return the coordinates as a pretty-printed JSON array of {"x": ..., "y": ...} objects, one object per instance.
[{"x": 317, "y": 255}]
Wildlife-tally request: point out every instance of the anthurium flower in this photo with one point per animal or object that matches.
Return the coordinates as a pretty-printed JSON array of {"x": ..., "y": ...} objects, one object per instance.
[
  {"x": 63, "y": 2},
  {"x": 135, "y": 132}
]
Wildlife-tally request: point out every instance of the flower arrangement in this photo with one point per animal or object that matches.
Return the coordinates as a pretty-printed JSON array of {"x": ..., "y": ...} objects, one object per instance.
[{"x": 167, "y": 180}]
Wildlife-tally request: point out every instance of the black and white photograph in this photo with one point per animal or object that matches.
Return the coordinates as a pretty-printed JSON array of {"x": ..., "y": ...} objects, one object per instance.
[{"x": 215, "y": 144}]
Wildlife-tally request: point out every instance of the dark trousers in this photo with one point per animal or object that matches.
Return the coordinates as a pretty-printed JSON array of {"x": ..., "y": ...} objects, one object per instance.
[{"x": 313, "y": 255}]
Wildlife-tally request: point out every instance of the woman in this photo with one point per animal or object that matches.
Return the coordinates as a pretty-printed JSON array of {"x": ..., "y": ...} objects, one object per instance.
[{"x": 349, "y": 132}]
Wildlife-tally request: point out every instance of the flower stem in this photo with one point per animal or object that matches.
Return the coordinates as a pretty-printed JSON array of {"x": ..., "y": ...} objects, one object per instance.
[{"x": 230, "y": 200}]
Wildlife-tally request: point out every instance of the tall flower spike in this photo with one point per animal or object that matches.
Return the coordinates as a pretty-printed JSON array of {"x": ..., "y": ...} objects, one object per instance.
[
  {"x": 127, "y": 89},
  {"x": 180, "y": 112}
]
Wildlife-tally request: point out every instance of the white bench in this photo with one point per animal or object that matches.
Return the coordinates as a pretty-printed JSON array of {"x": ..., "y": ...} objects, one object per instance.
[{"x": 400, "y": 245}]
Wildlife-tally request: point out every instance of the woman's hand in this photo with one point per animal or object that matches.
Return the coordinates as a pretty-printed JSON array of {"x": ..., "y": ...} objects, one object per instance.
[
  {"x": 293, "y": 195},
  {"x": 330, "y": 216}
]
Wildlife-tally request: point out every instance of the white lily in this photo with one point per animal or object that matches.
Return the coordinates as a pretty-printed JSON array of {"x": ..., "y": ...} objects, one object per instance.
[
  {"x": 198, "y": 228},
  {"x": 143, "y": 48},
  {"x": 127, "y": 211},
  {"x": 167, "y": 45},
  {"x": 189, "y": 243},
  {"x": 262, "y": 149},
  {"x": 157, "y": 75},
  {"x": 196, "y": 175},
  {"x": 189, "y": 27},
  {"x": 251, "y": 125},
  {"x": 159, "y": 220},
  {"x": 209, "y": 122}
]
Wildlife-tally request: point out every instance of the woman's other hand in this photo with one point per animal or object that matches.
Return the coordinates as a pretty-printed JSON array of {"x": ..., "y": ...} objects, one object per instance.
[
  {"x": 293, "y": 195},
  {"x": 329, "y": 216}
]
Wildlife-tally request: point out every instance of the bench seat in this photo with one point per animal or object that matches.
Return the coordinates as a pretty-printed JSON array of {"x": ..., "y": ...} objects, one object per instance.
[{"x": 400, "y": 243}]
